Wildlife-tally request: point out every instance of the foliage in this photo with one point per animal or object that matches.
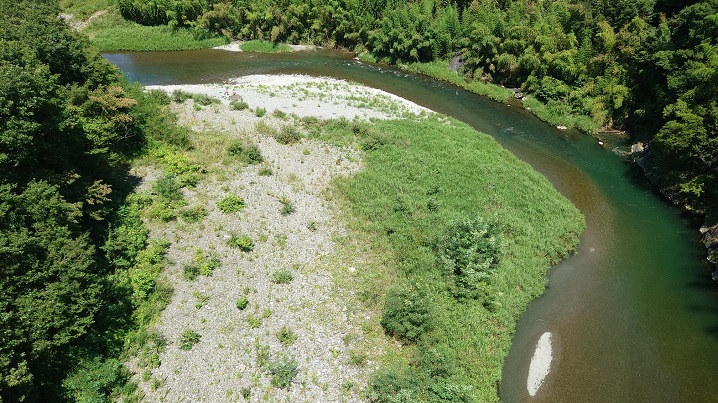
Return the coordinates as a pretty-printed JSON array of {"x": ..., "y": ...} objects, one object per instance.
[
  {"x": 264, "y": 171},
  {"x": 259, "y": 112},
  {"x": 286, "y": 336},
  {"x": 207, "y": 262},
  {"x": 238, "y": 105},
  {"x": 282, "y": 276},
  {"x": 287, "y": 206},
  {"x": 264, "y": 47},
  {"x": 67, "y": 132},
  {"x": 193, "y": 214},
  {"x": 188, "y": 339},
  {"x": 180, "y": 96},
  {"x": 241, "y": 242},
  {"x": 283, "y": 370},
  {"x": 242, "y": 303},
  {"x": 407, "y": 313},
  {"x": 288, "y": 134},
  {"x": 647, "y": 66},
  {"x": 190, "y": 271},
  {"x": 95, "y": 380},
  {"x": 469, "y": 251},
  {"x": 231, "y": 204},
  {"x": 168, "y": 187},
  {"x": 248, "y": 153}
]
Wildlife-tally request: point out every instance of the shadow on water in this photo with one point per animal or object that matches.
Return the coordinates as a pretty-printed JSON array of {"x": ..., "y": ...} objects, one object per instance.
[{"x": 633, "y": 313}]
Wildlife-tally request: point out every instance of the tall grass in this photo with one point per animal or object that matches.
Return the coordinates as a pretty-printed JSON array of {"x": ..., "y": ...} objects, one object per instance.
[
  {"x": 111, "y": 32},
  {"x": 265, "y": 47},
  {"x": 427, "y": 174}
]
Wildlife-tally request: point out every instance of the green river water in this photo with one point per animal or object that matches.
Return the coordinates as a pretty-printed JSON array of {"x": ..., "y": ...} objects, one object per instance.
[{"x": 634, "y": 315}]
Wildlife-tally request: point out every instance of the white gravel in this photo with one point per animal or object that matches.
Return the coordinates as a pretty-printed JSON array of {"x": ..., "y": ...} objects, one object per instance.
[
  {"x": 322, "y": 97},
  {"x": 235, "y": 47},
  {"x": 330, "y": 328}
]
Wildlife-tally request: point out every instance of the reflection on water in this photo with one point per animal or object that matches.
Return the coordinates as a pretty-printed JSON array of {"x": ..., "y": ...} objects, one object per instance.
[{"x": 633, "y": 315}]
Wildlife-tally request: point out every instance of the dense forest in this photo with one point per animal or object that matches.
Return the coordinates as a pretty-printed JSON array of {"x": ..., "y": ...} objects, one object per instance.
[
  {"x": 74, "y": 253},
  {"x": 649, "y": 67}
]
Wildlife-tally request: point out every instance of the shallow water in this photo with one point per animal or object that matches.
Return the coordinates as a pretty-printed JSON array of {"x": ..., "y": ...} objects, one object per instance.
[{"x": 633, "y": 315}]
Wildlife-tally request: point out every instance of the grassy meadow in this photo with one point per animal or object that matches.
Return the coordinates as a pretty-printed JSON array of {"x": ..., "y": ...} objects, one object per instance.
[
  {"x": 420, "y": 176},
  {"x": 110, "y": 32}
]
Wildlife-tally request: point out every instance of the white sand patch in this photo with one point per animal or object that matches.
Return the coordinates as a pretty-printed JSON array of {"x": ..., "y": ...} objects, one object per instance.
[
  {"x": 540, "y": 364},
  {"x": 322, "y": 97},
  {"x": 235, "y": 47}
]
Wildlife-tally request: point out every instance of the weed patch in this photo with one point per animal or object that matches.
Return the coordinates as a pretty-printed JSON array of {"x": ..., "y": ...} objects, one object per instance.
[
  {"x": 241, "y": 242},
  {"x": 188, "y": 339},
  {"x": 283, "y": 370},
  {"x": 231, "y": 204},
  {"x": 282, "y": 276}
]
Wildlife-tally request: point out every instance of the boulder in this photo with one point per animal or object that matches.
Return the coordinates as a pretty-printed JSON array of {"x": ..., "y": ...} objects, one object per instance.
[{"x": 457, "y": 62}]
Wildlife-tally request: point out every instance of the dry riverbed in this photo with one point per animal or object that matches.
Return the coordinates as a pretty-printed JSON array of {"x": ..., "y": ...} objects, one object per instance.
[{"x": 314, "y": 318}]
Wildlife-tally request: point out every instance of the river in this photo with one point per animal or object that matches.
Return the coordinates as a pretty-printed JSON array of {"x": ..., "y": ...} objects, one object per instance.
[{"x": 633, "y": 314}]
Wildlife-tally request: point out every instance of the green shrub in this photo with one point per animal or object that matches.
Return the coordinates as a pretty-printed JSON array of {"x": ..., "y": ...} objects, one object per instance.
[
  {"x": 207, "y": 262},
  {"x": 279, "y": 114},
  {"x": 188, "y": 339},
  {"x": 193, "y": 214},
  {"x": 286, "y": 336},
  {"x": 391, "y": 386},
  {"x": 259, "y": 112},
  {"x": 162, "y": 211},
  {"x": 246, "y": 152},
  {"x": 238, "y": 105},
  {"x": 242, "y": 242},
  {"x": 168, "y": 187},
  {"x": 288, "y": 134},
  {"x": 283, "y": 371},
  {"x": 469, "y": 250},
  {"x": 204, "y": 99},
  {"x": 241, "y": 303},
  {"x": 95, "y": 380},
  {"x": 408, "y": 313},
  {"x": 180, "y": 96},
  {"x": 231, "y": 204},
  {"x": 282, "y": 276},
  {"x": 159, "y": 97}
]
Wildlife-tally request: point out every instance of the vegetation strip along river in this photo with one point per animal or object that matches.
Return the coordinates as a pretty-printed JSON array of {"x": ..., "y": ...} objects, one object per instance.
[{"x": 632, "y": 315}]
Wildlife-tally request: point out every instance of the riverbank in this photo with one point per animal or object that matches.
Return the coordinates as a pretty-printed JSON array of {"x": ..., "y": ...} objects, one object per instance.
[{"x": 347, "y": 244}]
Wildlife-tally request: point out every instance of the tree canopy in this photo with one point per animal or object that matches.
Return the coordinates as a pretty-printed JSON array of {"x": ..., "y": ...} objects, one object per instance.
[{"x": 66, "y": 132}]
